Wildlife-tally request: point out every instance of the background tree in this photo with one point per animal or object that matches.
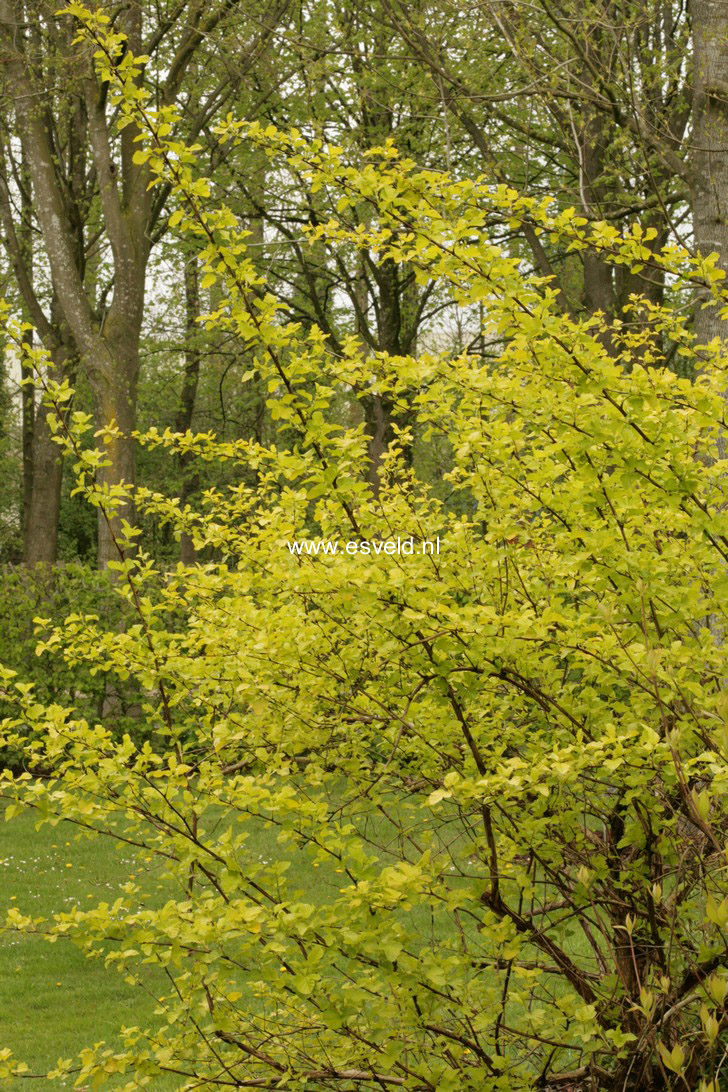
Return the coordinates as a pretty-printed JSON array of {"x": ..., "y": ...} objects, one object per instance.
[
  {"x": 587, "y": 102},
  {"x": 77, "y": 166},
  {"x": 708, "y": 161}
]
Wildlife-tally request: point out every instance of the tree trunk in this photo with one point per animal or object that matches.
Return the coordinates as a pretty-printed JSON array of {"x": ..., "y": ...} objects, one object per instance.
[
  {"x": 40, "y": 538},
  {"x": 114, "y": 391},
  {"x": 591, "y": 144},
  {"x": 378, "y": 419},
  {"x": 109, "y": 350},
  {"x": 191, "y": 376},
  {"x": 25, "y": 244},
  {"x": 42, "y": 458},
  {"x": 710, "y": 159},
  {"x": 28, "y": 427}
]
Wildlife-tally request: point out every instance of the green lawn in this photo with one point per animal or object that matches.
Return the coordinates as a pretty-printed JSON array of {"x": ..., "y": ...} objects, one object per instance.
[{"x": 53, "y": 1000}]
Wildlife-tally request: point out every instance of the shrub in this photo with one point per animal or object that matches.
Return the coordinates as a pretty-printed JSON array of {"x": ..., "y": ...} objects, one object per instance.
[{"x": 497, "y": 775}]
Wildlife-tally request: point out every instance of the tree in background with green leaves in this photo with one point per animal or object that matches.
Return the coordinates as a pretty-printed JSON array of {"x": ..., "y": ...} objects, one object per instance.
[
  {"x": 612, "y": 108},
  {"x": 69, "y": 175}
]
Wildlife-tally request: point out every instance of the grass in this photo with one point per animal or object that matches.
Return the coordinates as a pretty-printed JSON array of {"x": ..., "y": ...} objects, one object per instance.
[{"x": 53, "y": 1000}]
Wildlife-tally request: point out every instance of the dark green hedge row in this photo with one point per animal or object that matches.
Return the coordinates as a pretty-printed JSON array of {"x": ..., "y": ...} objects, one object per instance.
[{"x": 55, "y": 594}]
